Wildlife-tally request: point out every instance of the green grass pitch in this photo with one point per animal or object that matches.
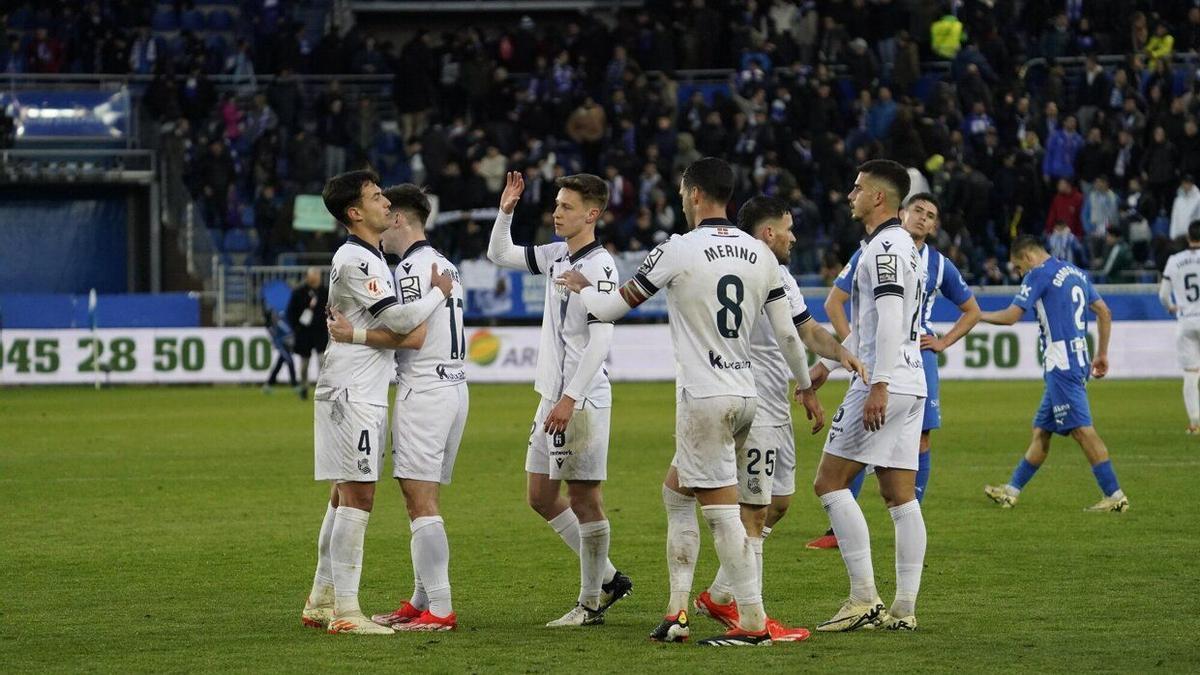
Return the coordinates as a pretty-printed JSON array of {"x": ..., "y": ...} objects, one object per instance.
[{"x": 173, "y": 529}]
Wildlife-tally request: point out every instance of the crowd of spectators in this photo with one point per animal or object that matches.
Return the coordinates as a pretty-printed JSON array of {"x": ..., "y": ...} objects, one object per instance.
[{"x": 1026, "y": 131}]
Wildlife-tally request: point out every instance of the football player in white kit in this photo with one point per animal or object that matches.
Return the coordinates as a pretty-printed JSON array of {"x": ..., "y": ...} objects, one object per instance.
[
  {"x": 430, "y": 409},
  {"x": 350, "y": 409},
  {"x": 718, "y": 280},
  {"x": 569, "y": 438},
  {"x": 767, "y": 460},
  {"x": 1181, "y": 278},
  {"x": 879, "y": 421}
]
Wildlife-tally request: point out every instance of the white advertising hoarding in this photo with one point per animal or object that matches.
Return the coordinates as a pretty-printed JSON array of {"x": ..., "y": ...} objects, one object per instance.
[{"x": 506, "y": 354}]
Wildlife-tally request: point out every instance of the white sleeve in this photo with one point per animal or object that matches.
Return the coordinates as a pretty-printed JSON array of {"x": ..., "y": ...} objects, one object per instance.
[
  {"x": 405, "y": 318},
  {"x": 1164, "y": 292},
  {"x": 501, "y": 249},
  {"x": 889, "y": 335},
  {"x": 789, "y": 342},
  {"x": 600, "y": 336},
  {"x": 605, "y": 306}
]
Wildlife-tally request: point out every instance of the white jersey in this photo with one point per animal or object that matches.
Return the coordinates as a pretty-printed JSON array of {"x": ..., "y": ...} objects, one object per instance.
[
  {"x": 439, "y": 361},
  {"x": 565, "y": 319},
  {"x": 772, "y": 377},
  {"x": 1183, "y": 273},
  {"x": 360, "y": 285},
  {"x": 889, "y": 265},
  {"x": 718, "y": 278}
]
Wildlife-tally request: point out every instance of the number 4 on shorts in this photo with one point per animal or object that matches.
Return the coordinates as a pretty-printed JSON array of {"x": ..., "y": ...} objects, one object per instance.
[{"x": 364, "y": 442}]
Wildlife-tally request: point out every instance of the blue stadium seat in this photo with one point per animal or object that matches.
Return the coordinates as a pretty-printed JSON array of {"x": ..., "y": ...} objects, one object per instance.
[
  {"x": 237, "y": 240},
  {"x": 220, "y": 19},
  {"x": 164, "y": 20},
  {"x": 192, "y": 20}
]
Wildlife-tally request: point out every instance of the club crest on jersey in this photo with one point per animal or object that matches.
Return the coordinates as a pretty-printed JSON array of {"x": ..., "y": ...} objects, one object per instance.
[
  {"x": 650, "y": 261},
  {"x": 374, "y": 288},
  {"x": 885, "y": 268},
  {"x": 410, "y": 289}
]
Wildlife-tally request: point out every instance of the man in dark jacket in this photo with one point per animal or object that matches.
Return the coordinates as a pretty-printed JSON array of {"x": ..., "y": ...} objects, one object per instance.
[{"x": 306, "y": 316}]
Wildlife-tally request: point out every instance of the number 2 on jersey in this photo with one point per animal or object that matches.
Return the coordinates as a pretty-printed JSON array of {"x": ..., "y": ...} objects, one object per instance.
[
  {"x": 458, "y": 337},
  {"x": 730, "y": 293}
]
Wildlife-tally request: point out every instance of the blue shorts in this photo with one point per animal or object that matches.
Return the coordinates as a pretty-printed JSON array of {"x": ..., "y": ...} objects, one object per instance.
[
  {"x": 933, "y": 406},
  {"x": 1064, "y": 405}
]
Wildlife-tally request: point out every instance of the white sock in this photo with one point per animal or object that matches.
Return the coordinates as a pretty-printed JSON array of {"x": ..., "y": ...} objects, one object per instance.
[
  {"x": 765, "y": 532},
  {"x": 594, "y": 538},
  {"x": 683, "y": 546},
  {"x": 1191, "y": 396},
  {"x": 566, "y": 524},
  {"x": 322, "y": 588},
  {"x": 854, "y": 541},
  {"x": 733, "y": 548},
  {"x": 756, "y": 544},
  {"x": 721, "y": 588},
  {"x": 419, "y": 599},
  {"x": 346, "y": 554},
  {"x": 910, "y": 556},
  {"x": 431, "y": 556}
]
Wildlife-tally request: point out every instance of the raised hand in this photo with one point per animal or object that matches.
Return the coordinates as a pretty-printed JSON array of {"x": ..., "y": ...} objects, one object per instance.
[{"x": 514, "y": 185}]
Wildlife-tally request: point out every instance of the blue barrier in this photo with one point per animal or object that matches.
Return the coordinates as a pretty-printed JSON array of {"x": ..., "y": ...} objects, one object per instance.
[{"x": 127, "y": 310}]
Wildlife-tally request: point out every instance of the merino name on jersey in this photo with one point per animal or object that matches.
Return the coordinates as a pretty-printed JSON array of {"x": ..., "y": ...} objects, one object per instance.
[{"x": 730, "y": 251}]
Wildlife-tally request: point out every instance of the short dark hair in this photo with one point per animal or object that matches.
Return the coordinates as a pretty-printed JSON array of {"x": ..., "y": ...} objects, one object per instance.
[
  {"x": 758, "y": 210},
  {"x": 712, "y": 176},
  {"x": 925, "y": 197},
  {"x": 893, "y": 174},
  {"x": 592, "y": 189},
  {"x": 1023, "y": 243},
  {"x": 411, "y": 198},
  {"x": 1194, "y": 230},
  {"x": 345, "y": 190}
]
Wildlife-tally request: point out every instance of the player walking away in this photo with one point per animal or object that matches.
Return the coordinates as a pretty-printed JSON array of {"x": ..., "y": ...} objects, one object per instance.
[
  {"x": 569, "y": 438},
  {"x": 1060, "y": 293},
  {"x": 718, "y": 278},
  {"x": 920, "y": 218},
  {"x": 1181, "y": 277},
  {"x": 304, "y": 315},
  {"x": 767, "y": 460},
  {"x": 879, "y": 421},
  {"x": 350, "y": 413},
  {"x": 430, "y": 409}
]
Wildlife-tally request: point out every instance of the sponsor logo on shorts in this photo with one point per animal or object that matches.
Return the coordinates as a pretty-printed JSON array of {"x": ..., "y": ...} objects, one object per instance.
[
  {"x": 841, "y": 412},
  {"x": 560, "y": 456},
  {"x": 560, "y": 439},
  {"x": 364, "y": 466},
  {"x": 1060, "y": 412},
  {"x": 717, "y": 361},
  {"x": 452, "y": 375}
]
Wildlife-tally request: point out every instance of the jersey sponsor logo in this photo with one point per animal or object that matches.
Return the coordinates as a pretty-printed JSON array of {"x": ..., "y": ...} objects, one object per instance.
[
  {"x": 650, "y": 261},
  {"x": 407, "y": 267},
  {"x": 887, "y": 245},
  {"x": 885, "y": 268},
  {"x": 717, "y": 361},
  {"x": 364, "y": 267},
  {"x": 410, "y": 289},
  {"x": 374, "y": 288},
  {"x": 453, "y": 375},
  {"x": 608, "y": 272},
  {"x": 845, "y": 271},
  {"x": 606, "y": 286},
  {"x": 1023, "y": 294}
]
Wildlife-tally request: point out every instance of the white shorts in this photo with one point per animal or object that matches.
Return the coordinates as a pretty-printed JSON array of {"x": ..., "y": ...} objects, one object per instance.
[
  {"x": 895, "y": 446},
  {"x": 348, "y": 439},
  {"x": 1187, "y": 343},
  {"x": 579, "y": 453},
  {"x": 767, "y": 465},
  {"x": 427, "y": 427},
  {"x": 709, "y": 432}
]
